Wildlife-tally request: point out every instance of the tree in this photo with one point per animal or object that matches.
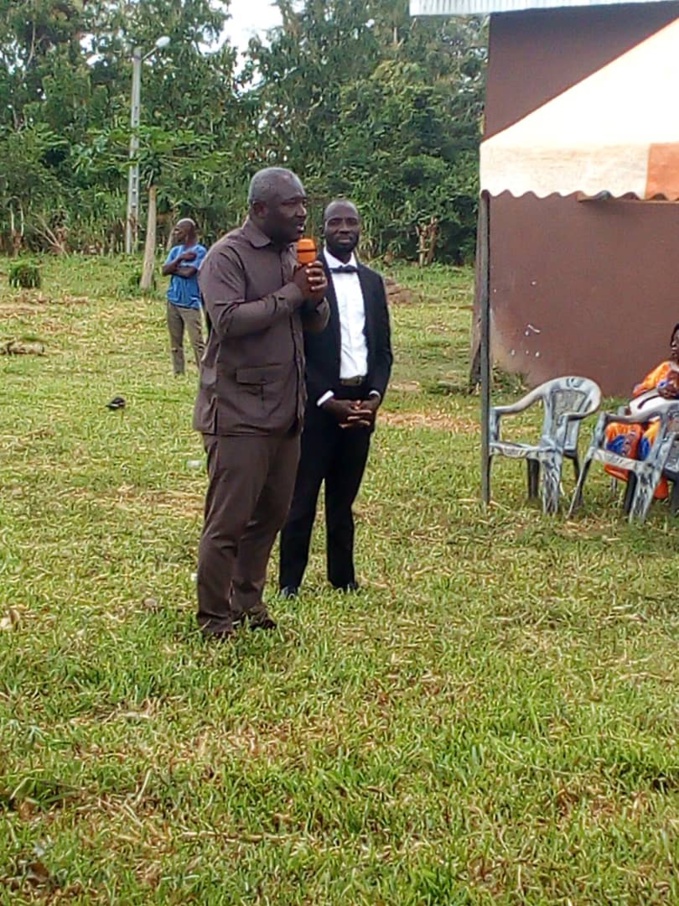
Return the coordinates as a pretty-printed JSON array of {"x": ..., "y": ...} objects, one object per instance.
[
  {"x": 362, "y": 100},
  {"x": 43, "y": 96},
  {"x": 412, "y": 133},
  {"x": 355, "y": 95},
  {"x": 30, "y": 193}
]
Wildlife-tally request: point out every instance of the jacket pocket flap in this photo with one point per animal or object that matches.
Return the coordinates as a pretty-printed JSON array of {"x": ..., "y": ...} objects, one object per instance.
[{"x": 260, "y": 374}]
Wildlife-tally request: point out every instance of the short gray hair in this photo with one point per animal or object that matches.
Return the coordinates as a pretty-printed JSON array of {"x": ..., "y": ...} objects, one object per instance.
[{"x": 265, "y": 183}]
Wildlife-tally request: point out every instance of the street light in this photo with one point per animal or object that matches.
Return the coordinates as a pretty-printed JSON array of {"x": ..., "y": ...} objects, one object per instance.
[{"x": 132, "y": 222}]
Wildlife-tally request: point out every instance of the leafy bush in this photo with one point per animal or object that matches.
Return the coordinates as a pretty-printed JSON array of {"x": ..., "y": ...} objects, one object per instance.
[{"x": 25, "y": 274}]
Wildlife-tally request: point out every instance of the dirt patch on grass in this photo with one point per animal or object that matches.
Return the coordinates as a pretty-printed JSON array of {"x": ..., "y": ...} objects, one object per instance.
[
  {"x": 178, "y": 503},
  {"x": 181, "y": 503},
  {"x": 406, "y": 386},
  {"x": 438, "y": 421},
  {"x": 30, "y": 300},
  {"x": 18, "y": 309},
  {"x": 45, "y": 324}
]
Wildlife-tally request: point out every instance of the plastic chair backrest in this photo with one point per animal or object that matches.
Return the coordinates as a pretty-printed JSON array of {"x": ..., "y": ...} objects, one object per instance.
[{"x": 564, "y": 397}]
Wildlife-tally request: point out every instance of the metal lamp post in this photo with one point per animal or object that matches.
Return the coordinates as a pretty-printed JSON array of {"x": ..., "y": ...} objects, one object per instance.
[{"x": 132, "y": 221}]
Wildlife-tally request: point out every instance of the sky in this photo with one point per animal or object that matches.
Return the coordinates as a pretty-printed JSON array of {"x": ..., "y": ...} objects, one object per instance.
[{"x": 248, "y": 17}]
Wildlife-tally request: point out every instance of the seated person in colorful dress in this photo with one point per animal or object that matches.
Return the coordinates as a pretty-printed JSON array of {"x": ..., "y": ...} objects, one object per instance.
[{"x": 635, "y": 441}]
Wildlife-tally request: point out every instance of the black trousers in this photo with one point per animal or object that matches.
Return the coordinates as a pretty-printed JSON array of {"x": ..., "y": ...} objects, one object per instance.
[{"x": 336, "y": 456}]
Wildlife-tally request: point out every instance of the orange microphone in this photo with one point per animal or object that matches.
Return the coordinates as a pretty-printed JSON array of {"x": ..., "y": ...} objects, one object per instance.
[{"x": 306, "y": 251}]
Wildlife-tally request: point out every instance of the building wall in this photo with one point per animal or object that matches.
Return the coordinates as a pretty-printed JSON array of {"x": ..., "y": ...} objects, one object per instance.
[{"x": 580, "y": 287}]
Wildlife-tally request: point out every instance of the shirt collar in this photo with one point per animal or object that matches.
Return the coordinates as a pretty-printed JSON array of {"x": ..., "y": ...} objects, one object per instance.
[
  {"x": 255, "y": 236},
  {"x": 335, "y": 262}
]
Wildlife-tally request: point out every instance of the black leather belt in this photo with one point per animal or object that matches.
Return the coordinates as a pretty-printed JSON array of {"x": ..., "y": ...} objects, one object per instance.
[{"x": 352, "y": 381}]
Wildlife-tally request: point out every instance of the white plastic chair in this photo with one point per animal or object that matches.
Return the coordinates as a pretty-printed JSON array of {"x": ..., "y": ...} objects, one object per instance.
[
  {"x": 644, "y": 474},
  {"x": 566, "y": 401}
]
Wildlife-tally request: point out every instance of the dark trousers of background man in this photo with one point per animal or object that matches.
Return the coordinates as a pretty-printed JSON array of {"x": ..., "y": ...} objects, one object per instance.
[
  {"x": 337, "y": 456},
  {"x": 179, "y": 318},
  {"x": 248, "y": 497}
]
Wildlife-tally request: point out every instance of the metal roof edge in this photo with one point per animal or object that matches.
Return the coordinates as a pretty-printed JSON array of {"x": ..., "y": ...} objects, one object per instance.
[{"x": 484, "y": 7}]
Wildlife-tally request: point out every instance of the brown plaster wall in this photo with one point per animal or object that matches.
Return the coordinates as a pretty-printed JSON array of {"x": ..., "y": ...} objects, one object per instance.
[{"x": 587, "y": 288}]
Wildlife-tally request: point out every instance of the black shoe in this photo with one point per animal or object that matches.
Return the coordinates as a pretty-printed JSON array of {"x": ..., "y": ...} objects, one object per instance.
[
  {"x": 289, "y": 591},
  {"x": 265, "y": 622},
  {"x": 349, "y": 588},
  {"x": 224, "y": 635}
]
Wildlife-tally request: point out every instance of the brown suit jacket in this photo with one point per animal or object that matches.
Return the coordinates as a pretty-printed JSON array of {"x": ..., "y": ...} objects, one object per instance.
[{"x": 252, "y": 372}]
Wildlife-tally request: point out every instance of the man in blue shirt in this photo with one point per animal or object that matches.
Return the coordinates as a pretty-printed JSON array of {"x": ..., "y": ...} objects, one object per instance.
[{"x": 183, "y": 295}]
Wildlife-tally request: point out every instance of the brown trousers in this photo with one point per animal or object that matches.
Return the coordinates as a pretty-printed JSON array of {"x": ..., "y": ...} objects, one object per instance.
[
  {"x": 177, "y": 319},
  {"x": 251, "y": 479}
]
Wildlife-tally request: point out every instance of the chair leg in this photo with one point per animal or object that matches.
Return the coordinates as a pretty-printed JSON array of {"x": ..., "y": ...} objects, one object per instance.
[
  {"x": 576, "y": 500},
  {"x": 630, "y": 489},
  {"x": 674, "y": 498},
  {"x": 551, "y": 484},
  {"x": 641, "y": 503},
  {"x": 576, "y": 466},
  {"x": 533, "y": 469},
  {"x": 644, "y": 494}
]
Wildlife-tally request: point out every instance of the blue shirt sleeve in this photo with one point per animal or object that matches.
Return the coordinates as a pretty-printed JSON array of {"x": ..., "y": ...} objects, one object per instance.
[{"x": 174, "y": 251}]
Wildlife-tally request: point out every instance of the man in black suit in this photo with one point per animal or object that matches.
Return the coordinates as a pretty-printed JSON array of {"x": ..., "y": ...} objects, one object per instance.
[{"x": 347, "y": 371}]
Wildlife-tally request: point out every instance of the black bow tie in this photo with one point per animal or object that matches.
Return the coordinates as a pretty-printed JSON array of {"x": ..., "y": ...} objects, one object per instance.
[{"x": 344, "y": 269}]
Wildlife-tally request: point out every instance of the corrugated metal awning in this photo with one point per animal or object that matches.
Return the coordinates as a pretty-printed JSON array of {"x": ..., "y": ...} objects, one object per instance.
[
  {"x": 484, "y": 7},
  {"x": 617, "y": 131}
]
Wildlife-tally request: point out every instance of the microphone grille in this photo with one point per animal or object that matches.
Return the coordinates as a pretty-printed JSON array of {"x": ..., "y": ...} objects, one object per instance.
[{"x": 306, "y": 250}]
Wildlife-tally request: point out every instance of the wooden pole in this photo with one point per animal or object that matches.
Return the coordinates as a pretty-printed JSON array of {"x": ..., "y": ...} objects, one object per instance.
[{"x": 483, "y": 275}]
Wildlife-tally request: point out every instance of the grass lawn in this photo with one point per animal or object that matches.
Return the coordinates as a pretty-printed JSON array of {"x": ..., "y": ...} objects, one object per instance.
[{"x": 494, "y": 720}]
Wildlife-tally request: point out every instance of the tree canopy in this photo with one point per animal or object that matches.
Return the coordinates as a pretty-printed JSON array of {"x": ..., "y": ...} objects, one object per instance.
[{"x": 357, "y": 97}]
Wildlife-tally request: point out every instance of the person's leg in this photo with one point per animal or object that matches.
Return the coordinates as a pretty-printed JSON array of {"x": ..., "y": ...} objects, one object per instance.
[
  {"x": 267, "y": 519},
  {"x": 237, "y": 470},
  {"x": 193, "y": 321},
  {"x": 317, "y": 444},
  {"x": 175, "y": 326},
  {"x": 342, "y": 484}
]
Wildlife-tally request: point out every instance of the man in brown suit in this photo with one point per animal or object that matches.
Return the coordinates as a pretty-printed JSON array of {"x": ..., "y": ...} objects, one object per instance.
[{"x": 251, "y": 399}]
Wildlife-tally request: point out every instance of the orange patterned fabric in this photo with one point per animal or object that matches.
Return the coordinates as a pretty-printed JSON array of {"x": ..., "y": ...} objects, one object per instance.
[
  {"x": 635, "y": 441},
  {"x": 653, "y": 380}
]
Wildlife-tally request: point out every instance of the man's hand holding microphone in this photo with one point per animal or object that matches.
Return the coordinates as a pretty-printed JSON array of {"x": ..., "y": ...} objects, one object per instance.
[{"x": 310, "y": 275}]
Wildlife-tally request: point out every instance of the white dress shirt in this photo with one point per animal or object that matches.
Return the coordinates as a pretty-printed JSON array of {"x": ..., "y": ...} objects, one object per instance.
[{"x": 351, "y": 311}]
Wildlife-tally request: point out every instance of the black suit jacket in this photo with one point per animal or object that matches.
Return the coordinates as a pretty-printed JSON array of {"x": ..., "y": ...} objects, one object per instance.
[{"x": 323, "y": 349}]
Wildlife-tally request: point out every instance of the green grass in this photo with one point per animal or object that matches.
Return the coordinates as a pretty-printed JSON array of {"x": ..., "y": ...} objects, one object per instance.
[
  {"x": 435, "y": 332},
  {"x": 493, "y": 721}
]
